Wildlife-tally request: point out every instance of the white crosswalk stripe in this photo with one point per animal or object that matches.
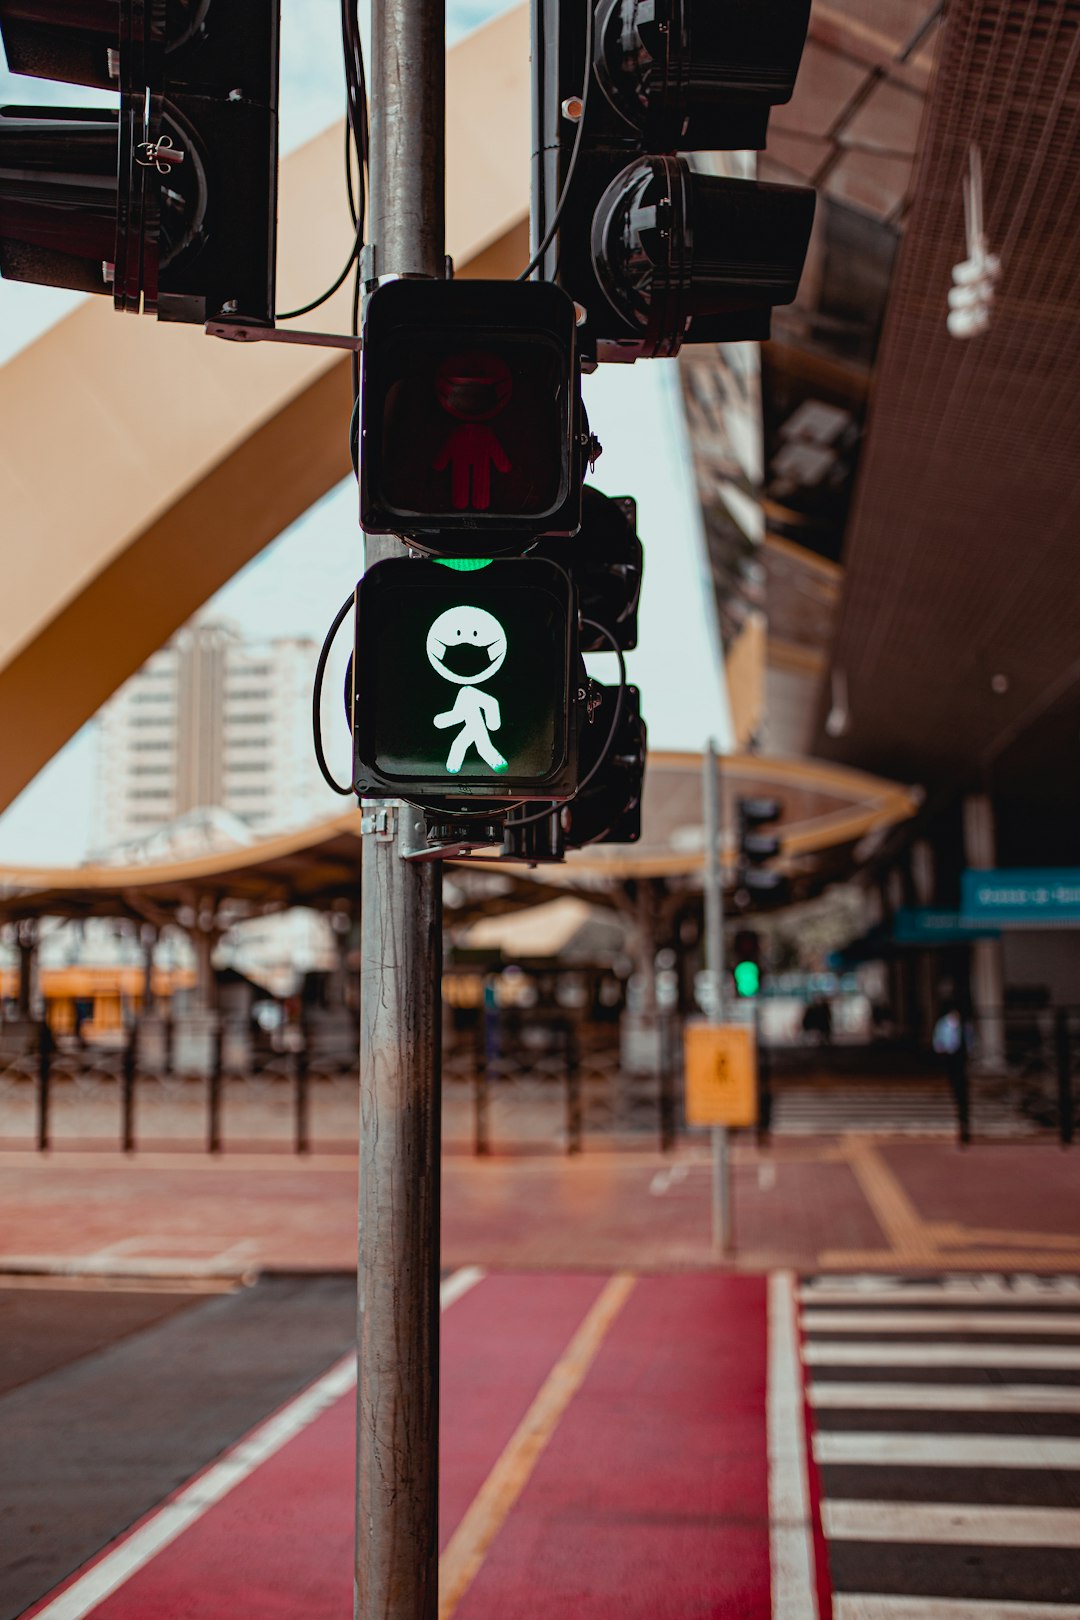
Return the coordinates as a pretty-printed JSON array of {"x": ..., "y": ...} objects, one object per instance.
[
  {"x": 883, "y": 1108},
  {"x": 946, "y": 1432}
]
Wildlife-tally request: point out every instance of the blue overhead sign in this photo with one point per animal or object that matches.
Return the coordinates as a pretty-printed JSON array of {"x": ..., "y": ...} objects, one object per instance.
[
  {"x": 1027, "y": 897},
  {"x": 934, "y": 925}
]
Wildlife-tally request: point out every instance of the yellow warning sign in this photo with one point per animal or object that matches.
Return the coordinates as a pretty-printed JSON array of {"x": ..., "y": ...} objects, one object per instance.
[{"x": 721, "y": 1074}]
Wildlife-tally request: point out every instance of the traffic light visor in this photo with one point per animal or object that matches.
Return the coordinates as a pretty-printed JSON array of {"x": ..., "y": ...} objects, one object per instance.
[{"x": 462, "y": 679}]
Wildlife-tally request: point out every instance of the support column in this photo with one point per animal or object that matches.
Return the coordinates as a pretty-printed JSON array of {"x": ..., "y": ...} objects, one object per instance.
[
  {"x": 401, "y": 960},
  {"x": 27, "y": 941},
  {"x": 987, "y": 968}
]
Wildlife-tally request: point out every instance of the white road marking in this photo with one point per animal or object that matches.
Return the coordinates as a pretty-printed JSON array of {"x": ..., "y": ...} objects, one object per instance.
[
  {"x": 947, "y": 1450},
  {"x": 766, "y": 1175},
  {"x": 791, "y": 1542},
  {"x": 865, "y": 1353},
  {"x": 940, "y": 1322},
  {"x": 936, "y": 1522},
  {"x": 857, "y": 1606},
  {"x": 664, "y": 1180},
  {"x": 947, "y": 1397},
  {"x": 177, "y": 1515},
  {"x": 869, "y": 1289}
]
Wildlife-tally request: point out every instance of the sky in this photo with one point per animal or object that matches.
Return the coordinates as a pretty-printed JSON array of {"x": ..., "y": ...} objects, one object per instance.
[{"x": 298, "y": 582}]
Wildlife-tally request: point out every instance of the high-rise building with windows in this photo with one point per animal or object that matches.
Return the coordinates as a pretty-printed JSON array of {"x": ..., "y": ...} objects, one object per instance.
[{"x": 211, "y": 721}]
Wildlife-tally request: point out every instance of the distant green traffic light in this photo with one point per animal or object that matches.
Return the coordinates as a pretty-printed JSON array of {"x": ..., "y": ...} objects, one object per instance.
[{"x": 747, "y": 978}]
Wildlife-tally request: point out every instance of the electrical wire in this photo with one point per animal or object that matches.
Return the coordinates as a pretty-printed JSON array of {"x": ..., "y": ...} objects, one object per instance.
[
  {"x": 316, "y": 699},
  {"x": 525, "y": 821},
  {"x": 549, "y": 234},
  {"x": 356, "y": 139}
]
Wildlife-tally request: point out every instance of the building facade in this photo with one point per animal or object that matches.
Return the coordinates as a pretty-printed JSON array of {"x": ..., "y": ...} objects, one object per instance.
[{"x": 210, "y": 722}]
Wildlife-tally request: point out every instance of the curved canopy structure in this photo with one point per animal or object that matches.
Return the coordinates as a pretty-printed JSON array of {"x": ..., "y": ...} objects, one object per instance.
[
  {"x": 826, "y": 808},
  {"x": 142, "y": 465}
]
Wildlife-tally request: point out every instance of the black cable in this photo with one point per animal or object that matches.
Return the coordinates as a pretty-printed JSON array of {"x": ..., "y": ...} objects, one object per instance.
[
  {"x": 316, "y": 698},
  {"x": 356, "y": 137},
  {"x": 609, "y": 743},
  {"x": 549, "y": 234},
  {"x": 305, "y": 309}
]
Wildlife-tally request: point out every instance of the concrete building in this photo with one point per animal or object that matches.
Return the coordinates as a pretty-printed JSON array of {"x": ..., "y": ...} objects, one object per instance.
[{"x": 211, "y": 722}]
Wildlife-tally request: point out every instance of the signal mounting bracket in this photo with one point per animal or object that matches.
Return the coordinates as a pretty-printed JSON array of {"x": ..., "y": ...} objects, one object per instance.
[{"x": 252, "y": 332}]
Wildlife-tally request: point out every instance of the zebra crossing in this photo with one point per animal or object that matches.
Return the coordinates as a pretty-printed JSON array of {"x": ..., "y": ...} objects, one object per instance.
[
  {"x": 946, "y": 1438},
  {"x": 883, "y": 1108}
]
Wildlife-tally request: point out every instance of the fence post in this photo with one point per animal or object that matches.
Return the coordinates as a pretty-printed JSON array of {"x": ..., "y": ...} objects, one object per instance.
[
  {"x": 481, "y": 1140},
  {"x": 127, "y": 1090},
  {"x": 958, "y": 1078},
  {"x": 573, "y": 1091},
  {"x": 666, "y": 1078},
  {"x": 213, "y": 1090},
  {"x": 303, "y": 1139},
  {"x": 1063, "y": 1047},
  {"x": 764, "y": 1072},
  {"x": 44, "y": 1075}
]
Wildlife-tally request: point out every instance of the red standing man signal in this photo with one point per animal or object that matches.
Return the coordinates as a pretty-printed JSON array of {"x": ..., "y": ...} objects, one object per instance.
[{"x": 472, "y": 387}]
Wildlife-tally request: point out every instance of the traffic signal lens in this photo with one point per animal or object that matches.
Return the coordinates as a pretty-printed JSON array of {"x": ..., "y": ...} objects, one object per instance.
[
  {"x": 462, "y": 678},
  {"x": 473, "y": 431},
  {"x": 471, "y": 418},
  {"x": 747, "y": 978}
]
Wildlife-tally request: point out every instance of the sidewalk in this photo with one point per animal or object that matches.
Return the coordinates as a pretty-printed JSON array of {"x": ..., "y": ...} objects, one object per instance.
[{"x": 853, "y": 1203}]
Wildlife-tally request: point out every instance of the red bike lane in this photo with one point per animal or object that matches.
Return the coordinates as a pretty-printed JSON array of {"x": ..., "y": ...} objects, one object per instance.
[{"x": 604, "y": 1452}]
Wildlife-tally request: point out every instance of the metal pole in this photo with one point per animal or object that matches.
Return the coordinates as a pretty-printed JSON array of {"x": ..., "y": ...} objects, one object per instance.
[
  {"x": 714, "y": 880},
  {"x": 301, "y": 1098},
  {"x": 401, "y": 959},
  {"x": 1063, "y": 1046},
  {"x": 213, "y": 1088},
  {"x": 714, "y": 965},
  {"x": 44, "y": 1076},
  {"x": 127, "y": 1089},
  {"x": 573, "y": 1090}
]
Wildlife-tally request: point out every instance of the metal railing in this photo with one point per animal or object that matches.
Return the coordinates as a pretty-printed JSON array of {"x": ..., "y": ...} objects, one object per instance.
[{"x": 551, "y": 1083}]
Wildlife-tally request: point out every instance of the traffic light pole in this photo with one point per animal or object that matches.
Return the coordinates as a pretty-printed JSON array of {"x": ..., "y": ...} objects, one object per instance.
[
  {"x": 714, "y": 963},
  {"x": 401, "y": 944}
]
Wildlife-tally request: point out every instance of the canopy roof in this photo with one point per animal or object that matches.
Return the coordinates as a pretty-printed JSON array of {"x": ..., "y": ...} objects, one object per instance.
[{"x": 825, "y": 808}]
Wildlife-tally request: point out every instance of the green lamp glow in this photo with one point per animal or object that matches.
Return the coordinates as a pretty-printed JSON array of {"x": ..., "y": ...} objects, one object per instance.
[{"x": 747, "y": 978}]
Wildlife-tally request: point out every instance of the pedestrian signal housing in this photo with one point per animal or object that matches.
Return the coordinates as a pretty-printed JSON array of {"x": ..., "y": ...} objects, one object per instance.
[
  {"x": 168, "y": 200},
  {"x": 462, "y": 681},
  {"x": 605, "y": 559},
  {"x": 471, "y": 419},
  {"x": 608, "y": 808},
  {"x": 658, "y": 251}
]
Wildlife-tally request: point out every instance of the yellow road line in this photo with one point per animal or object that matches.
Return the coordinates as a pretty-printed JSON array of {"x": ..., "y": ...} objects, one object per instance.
[
  {"x": 950, "y": 1234},
  {"x": 469, "y": 1544},
  {"x": 950, "y": 1260},
  {"x": 897, "y": 1216}
]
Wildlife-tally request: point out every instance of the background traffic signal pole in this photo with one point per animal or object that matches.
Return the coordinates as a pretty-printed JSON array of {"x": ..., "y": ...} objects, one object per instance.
[
  {"x": 401, "y": 945},
  {"x": 714, "y": 963}
]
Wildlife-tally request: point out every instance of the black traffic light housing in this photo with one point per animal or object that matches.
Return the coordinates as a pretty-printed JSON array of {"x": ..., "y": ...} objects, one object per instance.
[
  {"x": 472, "y": 429},
  {"x": 170, "y": 201},
  {"x": 462, "y": 683},
  {"x": 746, "y": 962},
  {"x": 656, "y": 252},
  {"x": 606, "y": 560},
  {"x": 607, "y": 810},
  {"x": 757, "y": 848}
]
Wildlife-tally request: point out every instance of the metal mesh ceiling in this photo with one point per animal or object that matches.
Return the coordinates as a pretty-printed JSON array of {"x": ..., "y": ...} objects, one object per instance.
[{"x": 960, "y": 621}]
